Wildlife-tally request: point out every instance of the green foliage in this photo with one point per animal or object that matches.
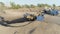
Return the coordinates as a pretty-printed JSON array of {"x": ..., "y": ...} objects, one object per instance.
[
  {"x": 47, "y": 5},
  {"x": 15, "y": 6},
  {"x": 26, "y": 6},
  {"x": 54, "y": 5},
  {"x": 39, "y": 5},
  {"x": 43, "y": 5},
  {"x": 18, "y": 6},
  {"x": 32, "y": 6},
  {"x": 1, "y": 3},
  {"x": 29, "y": 6}
]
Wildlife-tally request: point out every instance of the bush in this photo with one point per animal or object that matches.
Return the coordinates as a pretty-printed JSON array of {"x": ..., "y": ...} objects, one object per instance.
[{"x": 15, "y": 6}]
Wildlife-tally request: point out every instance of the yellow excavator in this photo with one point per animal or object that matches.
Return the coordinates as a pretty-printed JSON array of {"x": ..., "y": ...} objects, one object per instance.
[{"x": 30, "y": 17}]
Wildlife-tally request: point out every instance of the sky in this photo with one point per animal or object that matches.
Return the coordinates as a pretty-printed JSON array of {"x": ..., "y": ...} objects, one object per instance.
[{"x": 34, "y": 2}]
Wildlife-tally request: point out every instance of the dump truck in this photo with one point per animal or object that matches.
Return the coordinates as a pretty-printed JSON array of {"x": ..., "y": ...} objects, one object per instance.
[{"x": 51, "y": 12}]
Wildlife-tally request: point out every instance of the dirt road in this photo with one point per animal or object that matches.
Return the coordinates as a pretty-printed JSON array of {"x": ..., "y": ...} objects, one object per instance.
[{"x": 52, "y": 19}]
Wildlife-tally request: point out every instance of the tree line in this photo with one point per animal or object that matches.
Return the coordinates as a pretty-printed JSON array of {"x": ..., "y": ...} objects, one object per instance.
[{"x": 17, "y": 6}]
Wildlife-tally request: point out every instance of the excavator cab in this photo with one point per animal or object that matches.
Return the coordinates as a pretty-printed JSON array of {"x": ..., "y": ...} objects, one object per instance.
[{"x": 30, "y": 17}]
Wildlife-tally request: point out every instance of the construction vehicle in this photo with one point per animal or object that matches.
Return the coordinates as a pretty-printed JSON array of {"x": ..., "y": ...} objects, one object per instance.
[
  {"x": 32, "y": 17},
  {"x": 51, "y": 12},
  {"x": 40, "y": 17},
  {"x": 29, "y": 17}
]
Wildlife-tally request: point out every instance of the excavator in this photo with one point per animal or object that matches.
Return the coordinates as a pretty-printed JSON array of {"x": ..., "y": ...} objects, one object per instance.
[
  {"x": 32, "y": 17},
  {"x": 27, "y": 17}
]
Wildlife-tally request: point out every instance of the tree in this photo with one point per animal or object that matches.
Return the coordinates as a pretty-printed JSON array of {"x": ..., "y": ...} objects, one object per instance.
[
  {"x": 39, "y": 5},
  {"x": 26, "y": 6},
  {"x": 12, "y": 5},
  {"x": 2, "y": 4},
  {"x": 18, "y": 6},
  {"x": 43, "y": 5},
  {"x": 15, "y": 6},
  {"x": 47, "y": 5},
  {"x": 54, "y": 5},
  {"x": 32, "y": 6}
]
